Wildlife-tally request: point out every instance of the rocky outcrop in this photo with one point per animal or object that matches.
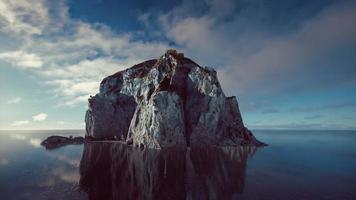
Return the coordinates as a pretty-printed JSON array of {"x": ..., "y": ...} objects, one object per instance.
[
  {"x": 114, "y": 171},
  {"x": 171, "y": 101},
  {"x": 53, "y": 142}
]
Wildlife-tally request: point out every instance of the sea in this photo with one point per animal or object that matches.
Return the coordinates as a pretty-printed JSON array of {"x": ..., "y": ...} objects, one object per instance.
[{"x": 295, "y": 165}]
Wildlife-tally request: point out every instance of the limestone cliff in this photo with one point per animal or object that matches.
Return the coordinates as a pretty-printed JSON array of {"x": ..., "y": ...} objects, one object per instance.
[{"x": 170, "y": 101}]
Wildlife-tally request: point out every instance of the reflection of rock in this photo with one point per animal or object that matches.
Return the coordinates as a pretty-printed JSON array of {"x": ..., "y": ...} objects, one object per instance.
[
  {"x": 217, "y": 173},
  {"x": 165, "y": 102},
  {"x": 53, "y": 142},
  {"x": 115, "y": 171}
]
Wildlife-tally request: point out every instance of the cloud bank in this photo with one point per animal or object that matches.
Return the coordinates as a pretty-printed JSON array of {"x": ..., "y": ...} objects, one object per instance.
[{"x": 71, "y": 62}]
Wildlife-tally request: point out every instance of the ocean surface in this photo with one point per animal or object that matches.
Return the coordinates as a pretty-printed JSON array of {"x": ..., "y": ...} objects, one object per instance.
[{"x": 295, "y": 165}]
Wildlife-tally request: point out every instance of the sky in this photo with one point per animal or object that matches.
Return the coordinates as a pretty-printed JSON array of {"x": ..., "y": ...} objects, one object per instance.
[{"x": 291, "y": 64}]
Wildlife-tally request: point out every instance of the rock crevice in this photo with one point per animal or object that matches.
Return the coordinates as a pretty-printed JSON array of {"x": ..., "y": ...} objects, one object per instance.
[{"x": 170, "y": 101}]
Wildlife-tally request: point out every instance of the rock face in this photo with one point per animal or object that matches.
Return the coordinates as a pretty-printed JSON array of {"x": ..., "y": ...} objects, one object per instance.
[{"x": 170, "y": 101}]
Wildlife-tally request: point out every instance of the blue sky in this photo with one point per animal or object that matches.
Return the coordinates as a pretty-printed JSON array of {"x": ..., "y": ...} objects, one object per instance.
[{"x": 291, "y": 64}]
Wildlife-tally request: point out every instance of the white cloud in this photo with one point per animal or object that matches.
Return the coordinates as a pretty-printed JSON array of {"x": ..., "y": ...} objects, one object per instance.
[
  {"x": 20, "y": 123},
  {"x": 74, "y": 87},
  {"x": 60, "y": 122},
  {"x": 40, "y": 117},
  {"x": 79, "y": 99},
  {"x": 75, "y": 61},
  {"x": 22, "y": 59},
  {"x": 14, "y": 100},
  {"x": 194, "y": 32},
  {"x": 23, "y": 17}
]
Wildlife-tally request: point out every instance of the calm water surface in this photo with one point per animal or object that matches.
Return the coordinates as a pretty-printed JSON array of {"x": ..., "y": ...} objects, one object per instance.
[{"x": 295, "y": 165}]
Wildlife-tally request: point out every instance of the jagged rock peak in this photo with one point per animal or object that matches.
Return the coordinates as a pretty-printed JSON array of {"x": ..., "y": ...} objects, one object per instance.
[{"x": 169, "y": 101}]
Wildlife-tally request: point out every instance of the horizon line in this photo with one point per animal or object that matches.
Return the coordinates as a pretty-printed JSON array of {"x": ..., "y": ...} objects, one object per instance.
[{"x": 257, "y": 129}]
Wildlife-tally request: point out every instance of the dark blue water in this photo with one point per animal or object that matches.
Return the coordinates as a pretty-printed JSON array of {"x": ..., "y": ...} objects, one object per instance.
[{"x": 295, "y": 165}]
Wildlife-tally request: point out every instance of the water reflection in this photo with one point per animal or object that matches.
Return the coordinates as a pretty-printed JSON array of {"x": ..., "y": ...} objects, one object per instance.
[
  {"x": 30, "y": 172},
  {"x": 114, "y": 171}
]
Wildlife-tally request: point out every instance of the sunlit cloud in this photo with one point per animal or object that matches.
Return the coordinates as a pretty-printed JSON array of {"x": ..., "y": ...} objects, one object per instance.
[
  {"x": 22, "y": 59},
  {"x": 23, "y": 17},
  {"x": 75, "y": 63},
  {"x": 40, "y": 117},
  {"x": 14, "y": 100},
  {"x": 79, "y": 99},
  {"x": 61, "y": 122},
  {"x": 20, "y": 123}
]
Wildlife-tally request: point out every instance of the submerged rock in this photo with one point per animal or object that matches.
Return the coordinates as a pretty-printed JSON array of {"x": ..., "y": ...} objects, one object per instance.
[
  {"x": 170, "y": 101},
  {"x": 53, "y": 142}
]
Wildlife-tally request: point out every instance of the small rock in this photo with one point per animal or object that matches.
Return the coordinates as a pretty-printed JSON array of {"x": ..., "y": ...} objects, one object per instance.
[{"x": 53, "y": 142}]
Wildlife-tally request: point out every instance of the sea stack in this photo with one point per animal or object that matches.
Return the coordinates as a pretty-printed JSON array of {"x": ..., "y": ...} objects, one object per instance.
[{"x": 165, "y": 102}]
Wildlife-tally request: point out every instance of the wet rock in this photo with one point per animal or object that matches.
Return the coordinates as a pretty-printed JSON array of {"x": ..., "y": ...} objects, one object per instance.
[{"x": 166, "y": 102}]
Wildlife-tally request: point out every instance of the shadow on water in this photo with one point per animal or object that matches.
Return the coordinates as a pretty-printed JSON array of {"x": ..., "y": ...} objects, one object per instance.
[{"x": 115, "y": 171}]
